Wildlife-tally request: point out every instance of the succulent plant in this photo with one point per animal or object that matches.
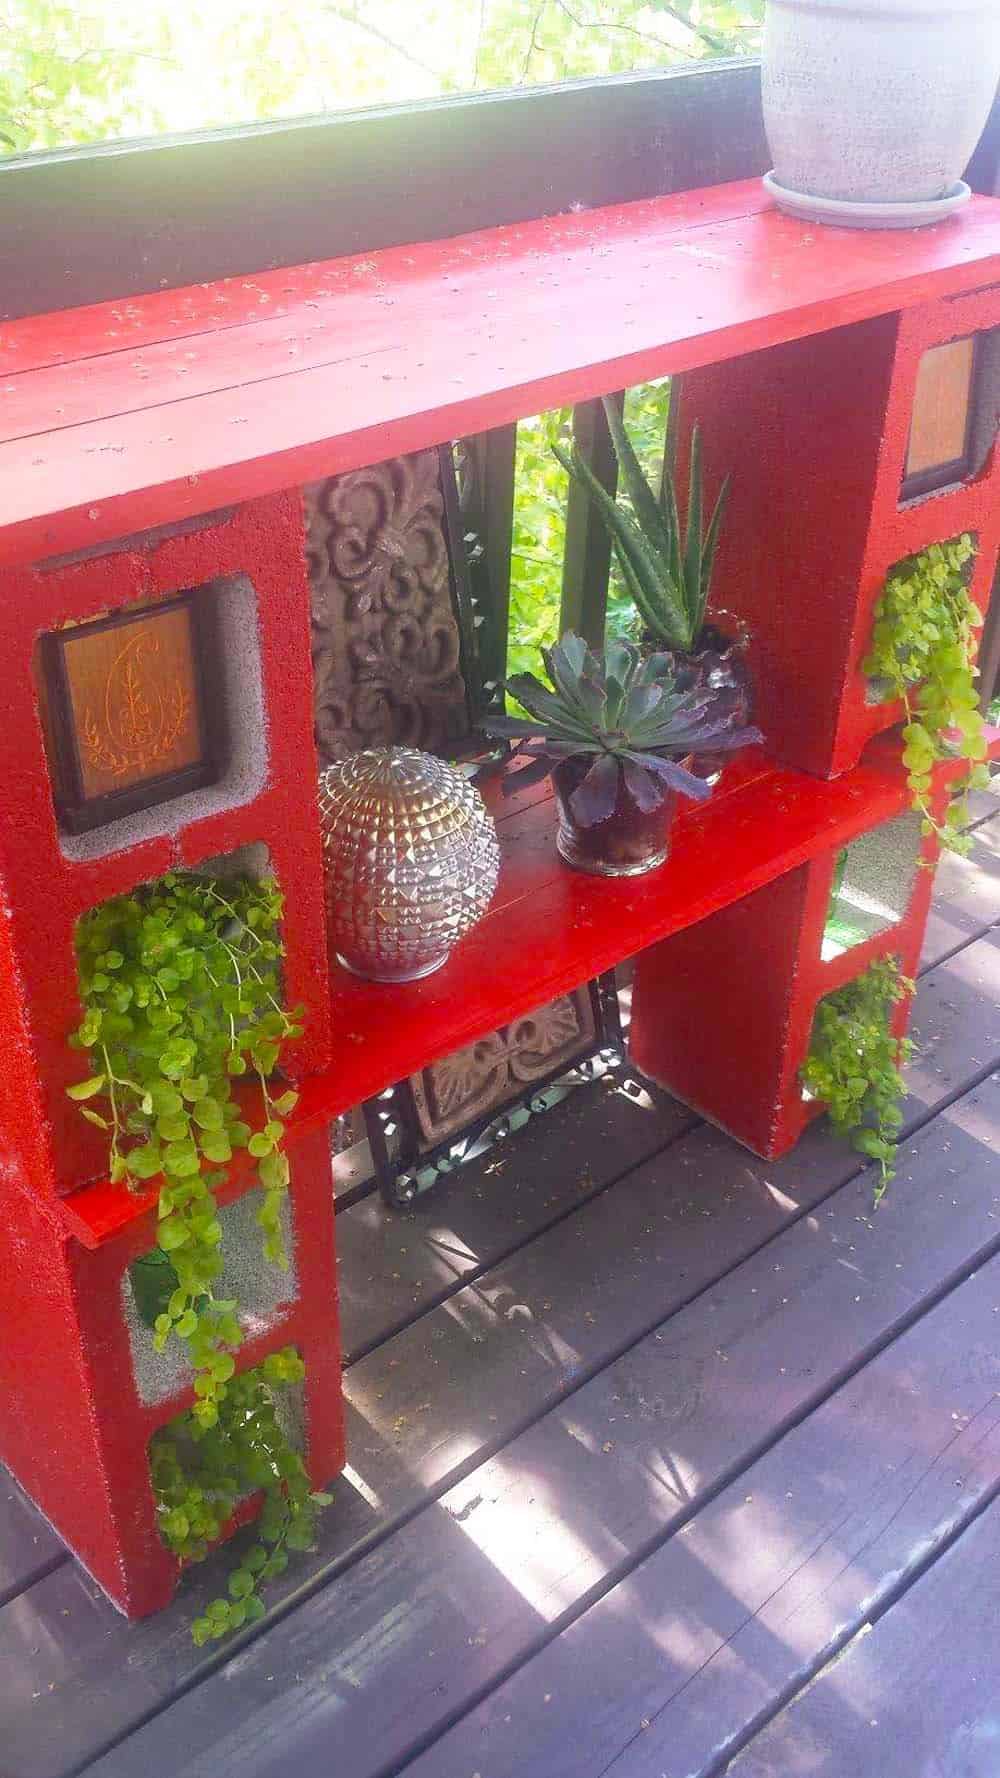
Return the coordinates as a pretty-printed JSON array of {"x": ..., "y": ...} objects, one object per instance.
[
  {"x": 624, "y": 710},
  {"x": 668, "y": 575}
]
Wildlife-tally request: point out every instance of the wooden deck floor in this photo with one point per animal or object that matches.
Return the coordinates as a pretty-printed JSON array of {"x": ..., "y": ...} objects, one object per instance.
[{"x": 661, "y": 1458}]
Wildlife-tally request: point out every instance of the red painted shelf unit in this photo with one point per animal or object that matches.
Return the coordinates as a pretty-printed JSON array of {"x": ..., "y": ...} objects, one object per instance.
[{"x": 155, "y": 446}]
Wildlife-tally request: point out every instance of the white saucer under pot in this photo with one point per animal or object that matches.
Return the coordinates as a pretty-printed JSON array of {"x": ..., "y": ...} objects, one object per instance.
[
  {"x": 842, "y": 213},
  {"x": 876, "y": 105}
]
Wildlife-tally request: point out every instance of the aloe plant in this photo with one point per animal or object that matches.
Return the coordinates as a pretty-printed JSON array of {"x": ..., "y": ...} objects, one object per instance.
[
  {"x": 668, "y": 573},
  {"x": 625, "y": 711}
]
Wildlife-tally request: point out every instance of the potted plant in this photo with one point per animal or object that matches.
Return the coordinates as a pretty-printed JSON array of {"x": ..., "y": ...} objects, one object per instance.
[
  {"x": 668, "y": 572},
  {"x": 872, "y": 108},
  {"x": 615, "y": 733}
]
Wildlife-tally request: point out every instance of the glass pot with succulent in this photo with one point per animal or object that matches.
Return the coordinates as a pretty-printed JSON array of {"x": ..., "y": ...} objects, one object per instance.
[
  {"x": 615, "y": 732},
  {"x": 668, "y": 572}
]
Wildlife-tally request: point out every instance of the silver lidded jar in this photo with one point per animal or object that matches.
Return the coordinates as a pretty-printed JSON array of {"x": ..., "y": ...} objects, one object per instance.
[{"x": 411, "y": 859}]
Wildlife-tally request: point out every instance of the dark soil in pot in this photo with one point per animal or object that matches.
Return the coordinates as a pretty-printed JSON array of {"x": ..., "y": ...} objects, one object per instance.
[{"x": 626, "y": 844}]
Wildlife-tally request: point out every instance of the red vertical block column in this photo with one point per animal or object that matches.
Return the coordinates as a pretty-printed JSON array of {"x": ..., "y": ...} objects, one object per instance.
[
  {"x": 814, "y": 434},
  {"x": 76, "y": 1426},
  {"x": 902, "y": 528},
  {"x": 799, "y": 429},
  {"x": 722, "y": 1013},
  {"x": 251, "y": 561}
]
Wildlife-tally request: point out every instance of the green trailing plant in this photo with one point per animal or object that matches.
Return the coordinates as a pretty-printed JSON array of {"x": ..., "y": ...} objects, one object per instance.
[
  {"x": 923, "y": 652},
  {"x": 200, "y": 1474},
  {"x": 854, "y": 1062},
  {"x": 181, "y": 988},
  {"x": 624, "y": 712},
  {"x": 667, "y": 570}
]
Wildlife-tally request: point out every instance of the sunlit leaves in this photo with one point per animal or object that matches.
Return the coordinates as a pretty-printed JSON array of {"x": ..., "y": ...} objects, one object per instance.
[
  {"x": 181, "y": 989},
  {"x": 539, "y": 536},
  {"x": 202, "y": 1468},
  {"x": 71, "y": 74},
  {"x": 923, "y": 652},
  {"x": 854, "y": 1062}
]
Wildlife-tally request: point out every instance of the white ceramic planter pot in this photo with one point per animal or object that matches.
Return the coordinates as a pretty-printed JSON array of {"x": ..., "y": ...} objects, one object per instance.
[{"x": 877, "y": 101}]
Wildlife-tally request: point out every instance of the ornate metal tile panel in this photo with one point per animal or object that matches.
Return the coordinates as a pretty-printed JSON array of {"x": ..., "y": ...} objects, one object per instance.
[
  {"x": 383, "y": 558},
  {"x": 481, "y": 1079}
]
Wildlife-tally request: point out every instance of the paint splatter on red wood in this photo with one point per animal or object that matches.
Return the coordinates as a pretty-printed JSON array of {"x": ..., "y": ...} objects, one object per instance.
[{"x": 164, "y": 412}]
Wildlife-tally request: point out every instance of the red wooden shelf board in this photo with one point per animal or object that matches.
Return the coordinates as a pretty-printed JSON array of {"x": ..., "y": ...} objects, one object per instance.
[
  {"x": 131, "y": 415},
  {"x": 552, "y": 928}
]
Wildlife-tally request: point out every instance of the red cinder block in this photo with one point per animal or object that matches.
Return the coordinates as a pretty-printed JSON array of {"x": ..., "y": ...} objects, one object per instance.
[
  {"x": 814, "y": 434},
  {"x": 77, "y": 1422},
  {"x": 253, "y": 559},
  {"x": 722, "y": 1012}
]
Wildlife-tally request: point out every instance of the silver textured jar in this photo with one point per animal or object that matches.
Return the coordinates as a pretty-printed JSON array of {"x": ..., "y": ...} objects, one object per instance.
[{"x": 411, "y": 859}]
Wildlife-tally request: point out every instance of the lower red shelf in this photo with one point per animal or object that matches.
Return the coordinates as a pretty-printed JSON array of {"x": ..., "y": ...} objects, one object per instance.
[{"x": 551, "y": 928}]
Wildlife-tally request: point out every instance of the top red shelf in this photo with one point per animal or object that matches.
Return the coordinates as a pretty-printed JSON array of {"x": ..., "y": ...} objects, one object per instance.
[{"x": 128, "y": 415}]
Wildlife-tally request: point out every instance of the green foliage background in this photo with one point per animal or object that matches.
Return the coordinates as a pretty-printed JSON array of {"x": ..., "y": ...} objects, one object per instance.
[
  {"x": 89, "y": 72},
  {"x": 76, "y": 74},
  {"x": 540, "y": 523}
]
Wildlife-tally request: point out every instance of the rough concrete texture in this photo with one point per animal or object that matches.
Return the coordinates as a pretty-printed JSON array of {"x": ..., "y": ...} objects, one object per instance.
[
  {"x": 264, "y": 1292},
  {"x": 763, "y": 958},
  {"x": 878, "y": 877},
  {"x": 253, "y": 562},
  {"x": 138, "y": 539},
  {"x": 985, "y": 401},
  {"x": 877, "y": 101}
]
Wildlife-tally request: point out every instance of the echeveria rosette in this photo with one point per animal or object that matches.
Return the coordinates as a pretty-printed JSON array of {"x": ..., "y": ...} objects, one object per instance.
[{"x": 628, "y": 713}]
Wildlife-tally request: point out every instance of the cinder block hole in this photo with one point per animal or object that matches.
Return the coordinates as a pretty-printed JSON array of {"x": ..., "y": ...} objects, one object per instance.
[
  {"x": 953, "y": 420},
  {"x": 879, "y": 691},
  {"x": 153, "y": 716},
  {"x": 872, "y": 884},
  {"x": 250, "y": 861},
  {"x": 264, "y": 1291}
]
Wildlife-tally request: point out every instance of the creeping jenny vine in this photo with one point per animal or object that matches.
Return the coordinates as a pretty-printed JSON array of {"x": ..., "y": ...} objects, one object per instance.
[
  {"x": 181, "y": 989},
  {"x": 854, "y": 1062},
  {"x": 923, "y": 649}
]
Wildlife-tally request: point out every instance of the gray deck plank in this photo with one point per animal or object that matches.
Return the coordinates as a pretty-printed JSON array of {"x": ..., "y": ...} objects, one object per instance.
[
  {"x": 450, "y": 1389},
  {"x": 768, "y": 1580},
  {"x": 28, "y": 1545},
  {"x": 916, "y": 1697},
  {"x": 966, "y": 896},
  {"x": 88, "y": 1650},
  {"x": 435, "y": 1617},
  {"x": 393, "y": 1266},
  {"x": 983, "y": 804},
  {"x": 430, "y": 1403},
  {"x": 955, "y": 1026}
]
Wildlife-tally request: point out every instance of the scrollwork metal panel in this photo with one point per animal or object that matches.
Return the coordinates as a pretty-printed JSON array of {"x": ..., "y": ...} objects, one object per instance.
[
  {"x": 387, "y": 569},
  {"x": 487, "y": 1075}
]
